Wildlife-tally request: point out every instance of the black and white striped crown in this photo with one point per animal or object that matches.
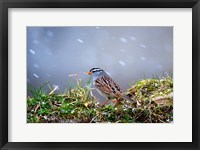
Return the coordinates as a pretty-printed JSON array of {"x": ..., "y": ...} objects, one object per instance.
[{"x": 96, "y": 70}]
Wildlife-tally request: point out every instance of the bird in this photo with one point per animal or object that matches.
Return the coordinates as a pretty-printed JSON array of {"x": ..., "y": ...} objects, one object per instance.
[{"x": 106, "y": 86}]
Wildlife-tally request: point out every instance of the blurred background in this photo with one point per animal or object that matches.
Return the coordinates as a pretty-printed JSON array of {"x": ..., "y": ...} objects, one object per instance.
[{"x": 126, "y": 53}]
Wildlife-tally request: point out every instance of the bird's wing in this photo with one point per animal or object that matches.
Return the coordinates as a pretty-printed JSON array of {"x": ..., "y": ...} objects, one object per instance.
[
  {"x": 116, "y": 90},
  {"x": 101, "y": 85}
]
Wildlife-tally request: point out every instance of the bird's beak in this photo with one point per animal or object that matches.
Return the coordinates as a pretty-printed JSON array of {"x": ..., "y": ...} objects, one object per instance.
[{"x": 89, "y": 73}]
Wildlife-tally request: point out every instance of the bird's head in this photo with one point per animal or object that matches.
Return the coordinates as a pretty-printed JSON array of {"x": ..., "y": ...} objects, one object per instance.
[{"x": 95, "y": 71}]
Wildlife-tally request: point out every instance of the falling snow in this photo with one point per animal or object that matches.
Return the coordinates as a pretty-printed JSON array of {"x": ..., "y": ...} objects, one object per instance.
[
  {"x": 143, "y": 58},
  {"x": 79, "y": 40},
  {"x": 32, "y": 51},
  {"x": 35, "y": 41},
  {"x": 122, "y": 63},
  {"x": 123, "y": 40},
  {"x": 142, "y": 45},
  {"x": 97, "y": 27},
  {"x": 122, "y": 50},
  {"x": 50, "y": 34},
  {"x": 133, "y": 38},
  {"x": 35, "y": 75},
  {"x": 36, "y": 66}
]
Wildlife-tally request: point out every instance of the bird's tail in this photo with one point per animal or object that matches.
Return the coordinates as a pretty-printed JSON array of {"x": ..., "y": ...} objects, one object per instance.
[{"x": 128, "y": 98}]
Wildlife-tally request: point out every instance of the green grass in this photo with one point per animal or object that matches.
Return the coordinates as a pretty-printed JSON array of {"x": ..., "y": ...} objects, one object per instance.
[{"x": 153, "y": 103}]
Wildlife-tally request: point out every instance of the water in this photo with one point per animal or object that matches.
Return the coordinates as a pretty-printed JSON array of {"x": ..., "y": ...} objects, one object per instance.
[{"x": 128, "y": 54}]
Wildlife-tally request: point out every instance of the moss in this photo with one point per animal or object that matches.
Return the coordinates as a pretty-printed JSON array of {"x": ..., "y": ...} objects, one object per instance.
[{"x": 153, "y": 103}]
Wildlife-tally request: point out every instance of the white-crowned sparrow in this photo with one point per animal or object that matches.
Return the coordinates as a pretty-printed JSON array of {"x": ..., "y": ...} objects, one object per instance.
[{"x": 106, "y": 86}]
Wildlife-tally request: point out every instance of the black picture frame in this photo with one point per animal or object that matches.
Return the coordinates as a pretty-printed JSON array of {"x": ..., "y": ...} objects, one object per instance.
[{"x": 6, "y": 4}]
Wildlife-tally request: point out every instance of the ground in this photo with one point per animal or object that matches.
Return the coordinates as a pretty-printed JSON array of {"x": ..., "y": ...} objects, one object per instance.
[{"x": 153, "y": 103}]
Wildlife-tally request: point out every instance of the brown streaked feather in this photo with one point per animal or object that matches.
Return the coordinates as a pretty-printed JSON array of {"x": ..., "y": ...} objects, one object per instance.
[
  {"x": 102, "y": 86},
  {"x": 108, "y": 87},
  {"x": 113, "y": 83}
]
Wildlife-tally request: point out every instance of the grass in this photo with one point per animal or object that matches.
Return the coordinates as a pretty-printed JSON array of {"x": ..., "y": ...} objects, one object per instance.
[{"x": 153, "y": 103}]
